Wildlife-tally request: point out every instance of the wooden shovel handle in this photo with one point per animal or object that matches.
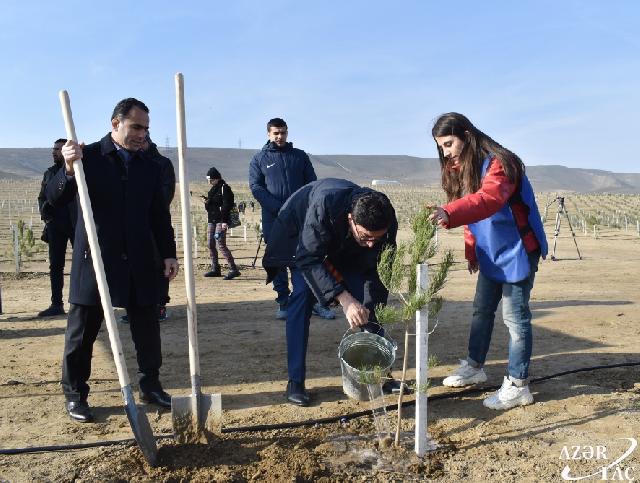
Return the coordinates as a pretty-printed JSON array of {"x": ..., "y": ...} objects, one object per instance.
[
  {"x": 185, "y": 201},
  {"x": 96, "y": 257}
]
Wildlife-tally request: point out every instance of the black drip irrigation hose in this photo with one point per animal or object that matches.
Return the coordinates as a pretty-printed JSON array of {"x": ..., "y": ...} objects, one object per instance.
[{"x": 312, "y": 422}]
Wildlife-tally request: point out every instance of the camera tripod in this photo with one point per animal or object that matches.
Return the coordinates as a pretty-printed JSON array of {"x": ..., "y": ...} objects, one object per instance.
[{"x": 561, "y": 211}]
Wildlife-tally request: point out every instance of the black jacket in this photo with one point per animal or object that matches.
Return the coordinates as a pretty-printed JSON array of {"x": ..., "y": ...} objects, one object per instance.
[
  {"x": 65, "y": 215},
  {"x": 219, "y": 202},
  {"x": 167, "y": 173},
  {"x": 312, "y": 227},
  {"x": 129, "y": 213}
]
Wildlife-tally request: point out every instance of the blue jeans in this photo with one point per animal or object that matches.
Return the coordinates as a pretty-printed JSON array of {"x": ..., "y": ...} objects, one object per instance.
[
  {"x": 516, "y": 316},
  {"x": 301, "y": 301}
]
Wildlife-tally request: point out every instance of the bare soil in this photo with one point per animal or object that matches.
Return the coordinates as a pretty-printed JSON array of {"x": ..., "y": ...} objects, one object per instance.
[{"x": 585, "y": 315}]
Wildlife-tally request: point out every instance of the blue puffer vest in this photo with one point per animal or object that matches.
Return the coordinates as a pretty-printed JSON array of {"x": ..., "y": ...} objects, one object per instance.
[{"x": 499, "y": 248}]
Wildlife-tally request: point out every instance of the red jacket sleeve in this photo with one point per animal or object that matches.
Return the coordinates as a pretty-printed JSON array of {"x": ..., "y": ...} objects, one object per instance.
[
  {"x": 469, "y": 245},
  {"x": 495, "y": 191}
]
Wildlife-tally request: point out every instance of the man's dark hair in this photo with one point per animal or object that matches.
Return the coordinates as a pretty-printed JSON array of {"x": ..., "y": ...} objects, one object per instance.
[
  {"x": 276, "y": 122},
  {"x": 372, "y": 210},
  {"x": 123, "y": 107},
  {"x": 60, "y": 140}
]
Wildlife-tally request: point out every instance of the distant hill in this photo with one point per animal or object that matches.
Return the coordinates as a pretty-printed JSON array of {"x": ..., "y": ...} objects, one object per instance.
[{"x": 17, "y": 163}]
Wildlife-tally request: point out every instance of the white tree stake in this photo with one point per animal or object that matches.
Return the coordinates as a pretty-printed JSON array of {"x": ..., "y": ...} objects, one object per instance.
[
  {"x": 16, "y": 247},
  {"x": 422, "y": 442}
]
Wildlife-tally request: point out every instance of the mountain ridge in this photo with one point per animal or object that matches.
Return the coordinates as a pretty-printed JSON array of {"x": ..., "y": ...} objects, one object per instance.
[{"x": 233, "y": 163}]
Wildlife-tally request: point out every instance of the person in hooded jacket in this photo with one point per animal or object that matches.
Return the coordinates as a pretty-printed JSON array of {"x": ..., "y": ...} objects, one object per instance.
[
  {"x": 489, "y": 193},
  {"x": 275, "y": 173},
  {"x": 218, "y": 204}
]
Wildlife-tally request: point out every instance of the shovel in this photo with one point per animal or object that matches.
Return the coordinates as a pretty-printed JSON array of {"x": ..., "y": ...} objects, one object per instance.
[
  {"x": 137, "y": 418},
  {"x": 198, "y": 415}
]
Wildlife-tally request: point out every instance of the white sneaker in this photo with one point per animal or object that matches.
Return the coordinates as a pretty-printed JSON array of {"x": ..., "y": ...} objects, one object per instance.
[
  {"x": 508, "y": 396},
  {"x": 465, "y": 375}
]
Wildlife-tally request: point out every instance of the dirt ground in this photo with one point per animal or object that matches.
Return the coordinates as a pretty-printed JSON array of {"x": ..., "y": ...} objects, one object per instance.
[{"x": 585, "y": 315}]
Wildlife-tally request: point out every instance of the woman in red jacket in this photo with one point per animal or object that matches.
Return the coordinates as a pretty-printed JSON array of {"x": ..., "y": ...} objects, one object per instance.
[{"x": 488, "y": 192}]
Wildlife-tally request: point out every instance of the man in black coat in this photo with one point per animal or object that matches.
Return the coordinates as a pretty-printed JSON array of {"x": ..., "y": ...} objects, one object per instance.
[
  {"x": 58, "y": 230},
  {"x": 130, "y": 215},
  {"x": 330, "y": 234}
]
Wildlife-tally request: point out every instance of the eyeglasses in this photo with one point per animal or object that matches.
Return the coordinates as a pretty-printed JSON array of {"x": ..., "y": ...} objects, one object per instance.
[{"x": 363, "y": 238}]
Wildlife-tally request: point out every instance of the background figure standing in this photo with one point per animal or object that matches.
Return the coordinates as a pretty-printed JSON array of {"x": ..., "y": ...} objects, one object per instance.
[
  {"x": 489, "y": 193},
  {"x": 218, "y": 203},
  {"x": 168, "y": 178},
  {"x": 130, "y": 215},
  {"x": 58, "y": 230},
  {"x": 275, "y": 173}
]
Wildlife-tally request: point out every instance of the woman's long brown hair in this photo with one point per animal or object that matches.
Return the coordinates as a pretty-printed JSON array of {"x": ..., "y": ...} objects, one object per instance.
[{"x": 477, "y": 146}]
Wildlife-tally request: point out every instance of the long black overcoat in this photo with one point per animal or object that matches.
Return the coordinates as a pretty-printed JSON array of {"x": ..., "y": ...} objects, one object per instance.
[{"x": 129, "y": 212}]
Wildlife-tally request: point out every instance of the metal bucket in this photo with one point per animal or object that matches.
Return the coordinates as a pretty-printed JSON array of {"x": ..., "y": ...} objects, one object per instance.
[{"x": 360, "y": 350}]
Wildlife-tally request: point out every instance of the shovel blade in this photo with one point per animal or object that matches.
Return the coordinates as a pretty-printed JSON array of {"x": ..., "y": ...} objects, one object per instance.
[
  {"x": 141, "y": 428},
  {"x": 194, "y": 428}
]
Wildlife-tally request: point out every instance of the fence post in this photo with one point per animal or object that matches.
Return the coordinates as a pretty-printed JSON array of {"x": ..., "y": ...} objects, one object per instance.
[
  {"x": 422, "y": 364},
  {"x": 595, "y": 232},
  {"x": 245, "y": 232}
]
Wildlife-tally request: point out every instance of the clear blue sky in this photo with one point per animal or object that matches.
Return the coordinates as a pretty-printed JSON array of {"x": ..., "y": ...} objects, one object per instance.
[{"x": 555, "y": 81}]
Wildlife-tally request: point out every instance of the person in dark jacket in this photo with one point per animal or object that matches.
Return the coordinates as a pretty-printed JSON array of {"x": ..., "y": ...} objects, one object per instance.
[
  {"x": 489, "y": 194},
  {"x": 275, "y": 173},
  {"x": 218, "y": 203},
  {"x": 58, "y": 230},
  {"x": 330, "y": 234},
  {"x": 130, "y": 214},
  {"x": 168, "y": 177}
]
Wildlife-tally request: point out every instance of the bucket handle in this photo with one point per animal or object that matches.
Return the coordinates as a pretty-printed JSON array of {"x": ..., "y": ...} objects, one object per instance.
[{"x": 352, "y": 331}]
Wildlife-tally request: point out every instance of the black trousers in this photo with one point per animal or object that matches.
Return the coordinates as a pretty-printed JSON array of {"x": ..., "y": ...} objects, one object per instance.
[
  {"x": 59, "y": 234},
  {"x": 83, "y": 324}
]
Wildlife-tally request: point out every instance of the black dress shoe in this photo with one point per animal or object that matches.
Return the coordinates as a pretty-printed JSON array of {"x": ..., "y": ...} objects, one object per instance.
[
  {"x": 297, "y": 395},
  {"x": 160, "y": 398},
  {"x": 79, "y": 411}
]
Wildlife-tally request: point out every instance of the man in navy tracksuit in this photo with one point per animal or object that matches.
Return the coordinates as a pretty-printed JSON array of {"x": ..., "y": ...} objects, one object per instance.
[
  {"x": 275, "y": 173},
  {"x": 330, "y": 234}
]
